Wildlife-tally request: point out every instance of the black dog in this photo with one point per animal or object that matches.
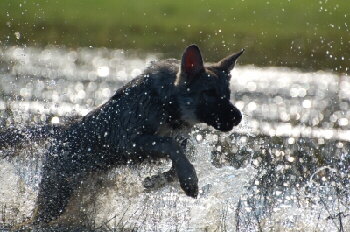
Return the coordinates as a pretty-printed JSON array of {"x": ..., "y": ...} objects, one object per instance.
[{"x": 138, "y": 122}]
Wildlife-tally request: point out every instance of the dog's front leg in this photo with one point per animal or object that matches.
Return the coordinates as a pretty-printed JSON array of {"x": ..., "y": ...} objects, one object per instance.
[
  {"x": 161, "y": 147},
  {"x": 161, "y": 179}
]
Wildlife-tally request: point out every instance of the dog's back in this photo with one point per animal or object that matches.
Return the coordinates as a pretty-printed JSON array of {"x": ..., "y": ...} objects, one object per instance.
[
  {"x": 137, "y": 108},
  {"x": 130, "y": 111},
  {"x": 139, "y": 121}
]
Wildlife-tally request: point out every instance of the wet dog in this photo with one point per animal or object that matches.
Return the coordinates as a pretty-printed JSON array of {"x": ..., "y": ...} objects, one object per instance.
[{"x": 138, "y": 122}]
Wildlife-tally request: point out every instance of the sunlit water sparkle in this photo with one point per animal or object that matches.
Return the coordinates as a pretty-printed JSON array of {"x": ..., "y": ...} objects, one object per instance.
[{"x": 284, "y": 168}]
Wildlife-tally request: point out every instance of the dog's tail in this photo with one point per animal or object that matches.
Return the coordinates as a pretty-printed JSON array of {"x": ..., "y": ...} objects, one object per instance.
[{"x": 16, "y": 138}]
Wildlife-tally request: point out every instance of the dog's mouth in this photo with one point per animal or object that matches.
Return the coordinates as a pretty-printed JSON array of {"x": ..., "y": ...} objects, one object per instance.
[
  {"x": 225, "y": 127},
  {"x": 228, "y": 120},
  {"x": 219, "y": 127},
  {"x": 222, "y": 116}
]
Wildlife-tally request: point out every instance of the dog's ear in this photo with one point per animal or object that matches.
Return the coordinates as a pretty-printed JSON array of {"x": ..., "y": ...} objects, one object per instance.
[
  {"x": 191, "y": 63},
  {"x": 229, "y": 62}
]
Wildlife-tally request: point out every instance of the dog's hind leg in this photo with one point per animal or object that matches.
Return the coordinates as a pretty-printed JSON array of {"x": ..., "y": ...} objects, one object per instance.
[{"x": 55, "y": 189}]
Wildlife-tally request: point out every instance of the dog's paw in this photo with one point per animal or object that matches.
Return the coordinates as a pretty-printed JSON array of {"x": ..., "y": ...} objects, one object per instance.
[
  {"x": 160, "y": 180},
  {"x": 190, "y": 187},
  {"x": 154, "y": 182},
  {"x": 189, "y": 181}
]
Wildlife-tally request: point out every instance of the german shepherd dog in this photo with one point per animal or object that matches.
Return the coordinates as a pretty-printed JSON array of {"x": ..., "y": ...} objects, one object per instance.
[{"x": 138, "y": 122}]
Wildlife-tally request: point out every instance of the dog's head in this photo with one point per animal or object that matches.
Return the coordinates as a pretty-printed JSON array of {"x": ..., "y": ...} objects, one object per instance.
[{"x": 204, "y": 92}]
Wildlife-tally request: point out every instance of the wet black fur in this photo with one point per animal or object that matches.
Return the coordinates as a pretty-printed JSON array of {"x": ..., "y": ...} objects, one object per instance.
[{"x": 137, "y": 123}]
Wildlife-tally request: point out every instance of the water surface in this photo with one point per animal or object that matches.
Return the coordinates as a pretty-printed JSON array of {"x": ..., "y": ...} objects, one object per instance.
[{"x": 284, "y": 168}]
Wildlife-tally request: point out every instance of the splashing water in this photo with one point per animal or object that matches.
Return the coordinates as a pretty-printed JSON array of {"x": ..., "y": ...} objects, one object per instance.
[{"x": 285, "y": 168}]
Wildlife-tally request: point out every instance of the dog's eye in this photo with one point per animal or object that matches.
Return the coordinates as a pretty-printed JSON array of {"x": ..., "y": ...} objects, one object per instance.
[{"x": 210, "y": 93}]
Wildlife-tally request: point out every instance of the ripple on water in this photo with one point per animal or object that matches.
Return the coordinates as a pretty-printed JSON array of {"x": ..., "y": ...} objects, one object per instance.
[{"x": 284, "y": 168}]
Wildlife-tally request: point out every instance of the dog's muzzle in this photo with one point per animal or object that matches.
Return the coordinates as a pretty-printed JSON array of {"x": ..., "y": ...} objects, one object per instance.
[
  {"x": 229, "y": 121},
  {"x": 222, "y": 116},
  {"x": 228, "y": 117}
]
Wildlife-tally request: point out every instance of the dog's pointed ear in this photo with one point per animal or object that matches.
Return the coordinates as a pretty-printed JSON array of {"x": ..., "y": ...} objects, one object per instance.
[
  {"x": 191, "y": 63},
  {"x": 229, "y": 62}
]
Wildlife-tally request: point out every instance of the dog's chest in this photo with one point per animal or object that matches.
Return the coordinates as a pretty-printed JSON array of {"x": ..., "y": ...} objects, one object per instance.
[{"x": 165, "y": 130}]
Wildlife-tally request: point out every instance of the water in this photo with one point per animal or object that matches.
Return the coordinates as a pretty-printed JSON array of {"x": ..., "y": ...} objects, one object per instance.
[{"x": 284, "y": 168}]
